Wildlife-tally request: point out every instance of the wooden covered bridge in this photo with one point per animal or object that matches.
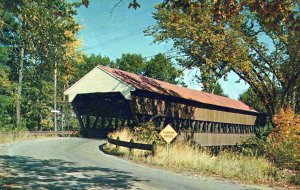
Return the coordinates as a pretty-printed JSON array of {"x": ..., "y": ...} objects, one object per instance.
[{"x": 106, "y": 99}]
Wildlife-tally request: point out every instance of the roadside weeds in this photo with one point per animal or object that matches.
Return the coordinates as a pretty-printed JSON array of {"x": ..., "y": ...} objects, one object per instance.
[
  {"x": 18, "y": 136},
  {"x": 188, "y": 159}
]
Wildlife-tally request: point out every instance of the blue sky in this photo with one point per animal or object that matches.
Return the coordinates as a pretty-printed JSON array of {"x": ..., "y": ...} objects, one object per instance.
[{"x": 112, "y": 34}]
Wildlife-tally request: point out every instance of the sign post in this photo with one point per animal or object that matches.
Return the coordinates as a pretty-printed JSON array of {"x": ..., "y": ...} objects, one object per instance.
[{"x": 168, "y": 134}]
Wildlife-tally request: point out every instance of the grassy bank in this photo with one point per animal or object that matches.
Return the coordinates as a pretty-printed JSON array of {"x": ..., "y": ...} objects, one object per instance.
[
  {"x": 185, "y": 158},
  {"x": 15, "y": 136}
]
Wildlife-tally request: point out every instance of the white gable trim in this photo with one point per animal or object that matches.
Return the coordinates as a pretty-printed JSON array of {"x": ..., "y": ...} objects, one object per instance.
[
  {"x": 99, "y": 80},
  {"x": 116, "y": 78},
  {"x": 71, "y": 87}
]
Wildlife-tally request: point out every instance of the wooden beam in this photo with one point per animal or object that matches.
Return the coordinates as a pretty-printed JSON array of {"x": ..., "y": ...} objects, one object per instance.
[
  {"x": 95, "y": 122},
  {"x": 134, "y": 111},
  {"x": 110, "y": 122},
  {"x": 128, "y": 122},
  {"x": 162, "y": 122},
  {"x": 103, "y": 119},
  {"x": 87, "y": 118},
  {"x": 122, "y": 122}
]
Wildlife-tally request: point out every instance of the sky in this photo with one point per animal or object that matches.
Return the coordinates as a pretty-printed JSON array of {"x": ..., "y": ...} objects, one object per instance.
[{"x": 113, "y": 32}]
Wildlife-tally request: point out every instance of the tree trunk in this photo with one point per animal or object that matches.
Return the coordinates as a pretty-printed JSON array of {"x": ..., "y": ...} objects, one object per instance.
[
  {"x": 294, "y": 99},
  {"x": 54, "y": 96},
  {"x": 19, "y": 92},
  {"x": 63, "y": 108}
]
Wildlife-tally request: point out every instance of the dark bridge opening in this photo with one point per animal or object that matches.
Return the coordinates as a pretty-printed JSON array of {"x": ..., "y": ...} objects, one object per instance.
[{"x": 101, "y": 113}]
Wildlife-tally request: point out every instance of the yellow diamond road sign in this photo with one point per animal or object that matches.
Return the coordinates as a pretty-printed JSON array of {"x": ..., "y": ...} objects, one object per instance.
[{"x": 168, "y": 133}]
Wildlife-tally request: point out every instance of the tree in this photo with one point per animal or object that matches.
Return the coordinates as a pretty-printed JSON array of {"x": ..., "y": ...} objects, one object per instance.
[
  {"x": 12, "y": 34},
  {"x": 134, "y": 63},
  {"x": 218, "y": 90},
  {"x": 42, "y": 37},
  {"x": 208, "y": 77},
  {"x": 250, "y": 98},
  {"x": 160, "y": 67},
  {"x": 210, "y": 83},
  {"x": 6, "y": 91},
  {"x": 89, "y": 63},
  {"x": 133, "y": 4},
  {"x": 222, "y": 36}
]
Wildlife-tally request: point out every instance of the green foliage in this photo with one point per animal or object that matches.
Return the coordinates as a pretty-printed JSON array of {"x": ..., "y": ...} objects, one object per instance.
[
  {"x": 134, "y": 63},
  {"x": 160, "y": 67},
  {"x": 71, "y": 122},
  {"x": 147, "y": 132},
  {"x": 37, "y": 104},
  {"x": 6, "y": 91},
  {"x": 209, "y": 79},
  {"x": 222, "y": 36},
  {"x": 218, "y": 90},
  {"x": 5, "y": 83},
  {"x": 6, "y": 119},
  {"x": 89, "y": 63},
  {"x": 280, "y": 145},
  {"x": 296, "y": 179},
  {"x": 46, "y": 30},
  {"x": 215, "y": 89},
  {"x": 4, "y": 55},
  {"x": 250, "y": 98},
  {"x": 284, "y": 140}
]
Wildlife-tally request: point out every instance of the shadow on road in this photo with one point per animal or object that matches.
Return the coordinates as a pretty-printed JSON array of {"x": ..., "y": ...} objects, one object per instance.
[{"x": 32, "y": 173}]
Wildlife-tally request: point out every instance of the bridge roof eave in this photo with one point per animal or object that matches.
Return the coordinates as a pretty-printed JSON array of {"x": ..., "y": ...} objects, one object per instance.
[{"x": 99, "y": 81}]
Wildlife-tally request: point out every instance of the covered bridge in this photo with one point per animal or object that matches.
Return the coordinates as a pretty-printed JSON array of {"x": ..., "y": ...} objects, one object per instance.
[{"x": 106, "y": 99}]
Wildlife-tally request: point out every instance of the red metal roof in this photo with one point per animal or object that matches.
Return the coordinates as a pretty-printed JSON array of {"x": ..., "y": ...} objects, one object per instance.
[{"x": 149, "y": 84}]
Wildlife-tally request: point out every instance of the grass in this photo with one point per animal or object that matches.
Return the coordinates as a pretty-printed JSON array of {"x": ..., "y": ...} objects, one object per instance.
[
  {"x": 183, "y": 157},
  {"x": 15, "y": 136}
]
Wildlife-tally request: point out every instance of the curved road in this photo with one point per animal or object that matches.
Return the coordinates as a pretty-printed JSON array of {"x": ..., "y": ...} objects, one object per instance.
[{"x": 77, "y": 163}]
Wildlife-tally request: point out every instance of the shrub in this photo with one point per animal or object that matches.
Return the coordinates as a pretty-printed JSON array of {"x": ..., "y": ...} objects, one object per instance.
[
  {"x": 283, "y": 143},
  {"x": 147, "y": 132},
  {"x": 296, "y": 179}
]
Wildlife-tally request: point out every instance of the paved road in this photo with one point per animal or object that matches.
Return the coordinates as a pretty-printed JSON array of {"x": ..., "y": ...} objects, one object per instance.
[{"x": 77, "y": 163}]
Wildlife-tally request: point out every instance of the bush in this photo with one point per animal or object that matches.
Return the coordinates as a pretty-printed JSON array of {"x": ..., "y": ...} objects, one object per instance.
[
  {"x": 13, "y": 128},
  {"x": 296, "y": 179},
  {"x": 147, "y": 132},
  {"x": 283, "y": 143}
]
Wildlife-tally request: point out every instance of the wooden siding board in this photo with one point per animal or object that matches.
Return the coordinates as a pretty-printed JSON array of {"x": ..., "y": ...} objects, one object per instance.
[
  {"x": 146, "y": 105},
  {"x": 215, "y": 139}
]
